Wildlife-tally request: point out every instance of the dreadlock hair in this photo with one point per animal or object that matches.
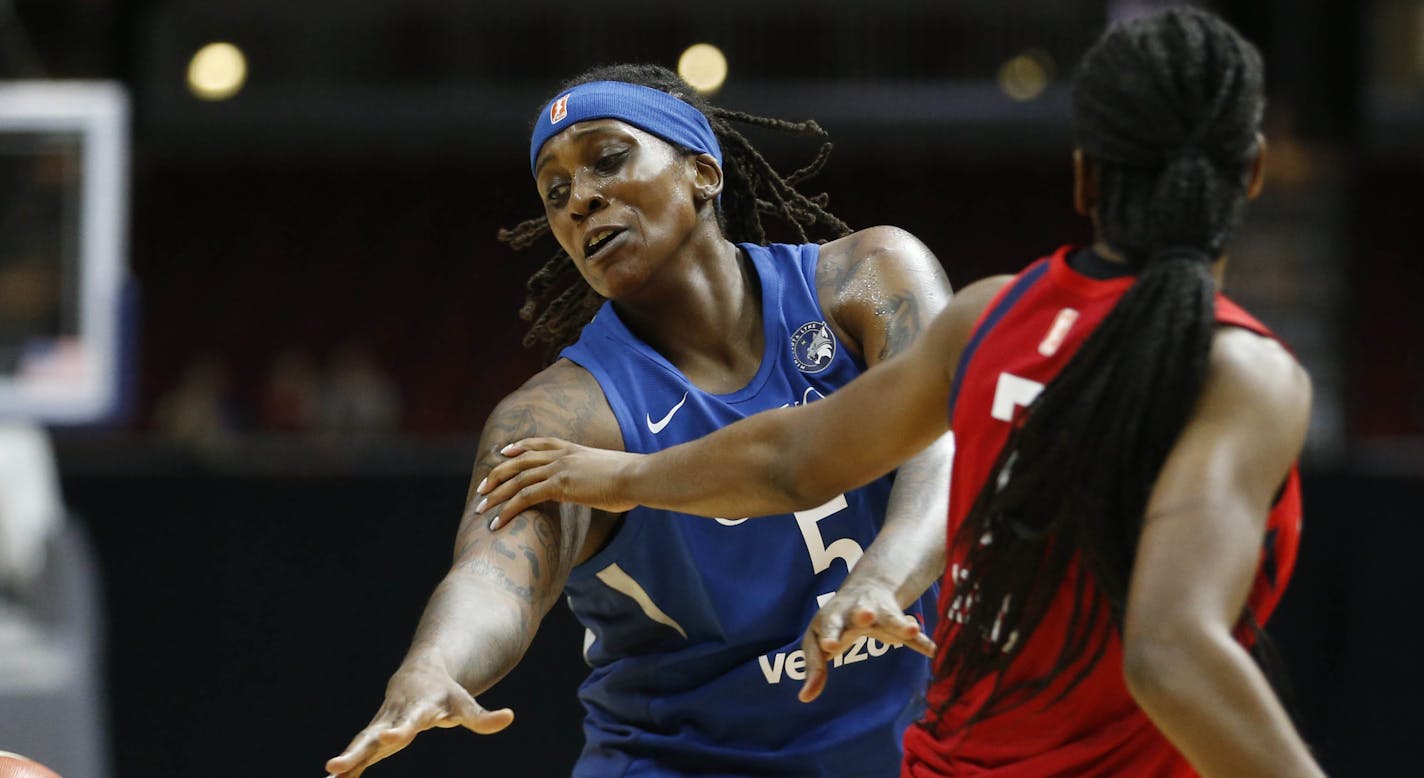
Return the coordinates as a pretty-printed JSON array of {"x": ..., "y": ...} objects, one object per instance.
[
  {"x": 751, "y": 188},
  {"x": 1167, "y": 109}
]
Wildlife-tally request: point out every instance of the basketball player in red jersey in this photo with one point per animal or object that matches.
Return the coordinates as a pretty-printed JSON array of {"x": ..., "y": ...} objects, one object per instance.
[{"x": 1125, "y": 507}]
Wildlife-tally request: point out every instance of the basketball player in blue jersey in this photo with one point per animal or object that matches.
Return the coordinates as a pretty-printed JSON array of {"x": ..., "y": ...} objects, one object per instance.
[{"x": 694, "y": 628}]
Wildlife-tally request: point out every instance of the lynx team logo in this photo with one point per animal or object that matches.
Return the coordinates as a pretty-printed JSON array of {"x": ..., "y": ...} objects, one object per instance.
[
  {"x": 559, "y": 110},
  {"x": 813, "y": 347}
]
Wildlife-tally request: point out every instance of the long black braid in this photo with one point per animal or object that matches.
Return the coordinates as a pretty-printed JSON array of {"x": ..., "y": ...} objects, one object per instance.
[
  {"x": 1167, "y": 109},
  {"x": 751, "y": 188}
]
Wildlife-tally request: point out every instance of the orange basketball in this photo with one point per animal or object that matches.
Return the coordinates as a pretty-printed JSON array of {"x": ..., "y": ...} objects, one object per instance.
[{"x": 16, "y": 766}]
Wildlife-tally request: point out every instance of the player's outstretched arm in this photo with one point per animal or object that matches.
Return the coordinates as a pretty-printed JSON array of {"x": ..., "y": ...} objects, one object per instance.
[
  {"x": 774, "y": 462},
  {"x": 778, "y": 461},
  {"x": 483, "y": 615},
  {"x": 1198, "y": 554}
]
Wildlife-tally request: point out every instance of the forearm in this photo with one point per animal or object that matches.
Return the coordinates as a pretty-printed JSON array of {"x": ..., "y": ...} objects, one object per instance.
[
  {"x": 908, "y": 553},
  {"x": 792, "y": 459},
  {"x": 1211, "y": 700},
  {"x": 473, "y": 630},
  {"x": 484, "y": 614},
  {"x": 746, "y": 469}
]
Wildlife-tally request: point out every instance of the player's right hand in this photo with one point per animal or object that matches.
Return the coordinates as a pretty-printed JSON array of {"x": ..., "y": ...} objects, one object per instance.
[
  {"x": 548, "y": 469},
  {"x": 858, "y": 610},
  {"x": 418, "y": 697}
]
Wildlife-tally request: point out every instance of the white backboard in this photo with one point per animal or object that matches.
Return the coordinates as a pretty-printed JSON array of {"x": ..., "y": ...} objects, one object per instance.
[{"x": 64, "y": 150}]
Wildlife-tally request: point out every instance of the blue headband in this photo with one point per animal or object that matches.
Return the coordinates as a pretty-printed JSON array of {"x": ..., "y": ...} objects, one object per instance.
[{"x": 648, "y": 109}]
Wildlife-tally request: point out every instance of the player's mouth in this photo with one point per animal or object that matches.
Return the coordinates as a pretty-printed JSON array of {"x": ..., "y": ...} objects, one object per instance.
[{"x": 600, "y": 240}]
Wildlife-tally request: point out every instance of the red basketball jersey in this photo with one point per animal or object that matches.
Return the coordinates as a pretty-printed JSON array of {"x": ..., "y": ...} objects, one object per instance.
[{"x": 1022, "y": 341}]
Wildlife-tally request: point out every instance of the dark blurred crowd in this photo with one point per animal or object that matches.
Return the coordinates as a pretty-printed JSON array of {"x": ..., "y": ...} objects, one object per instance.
[{"x": 347, "y": 393}]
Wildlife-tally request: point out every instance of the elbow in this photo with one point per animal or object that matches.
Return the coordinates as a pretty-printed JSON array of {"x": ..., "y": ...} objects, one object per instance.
[
  {"x": 1161, "y": 661},
  {"x": 1147, "y": 668}
]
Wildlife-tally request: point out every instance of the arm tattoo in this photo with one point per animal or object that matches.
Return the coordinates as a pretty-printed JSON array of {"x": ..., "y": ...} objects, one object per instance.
[
  {"x": 833, "y": 278},
  {"x": 546, "y": 535},
  {"x": 901, "y": 315},
  {"x": 898, "y": 311},
  {"x": 552, "y": 403},
  {"x": 486, "y": 569}
]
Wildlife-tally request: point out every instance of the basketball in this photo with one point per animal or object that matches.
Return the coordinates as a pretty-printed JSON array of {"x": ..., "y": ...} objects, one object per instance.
[{"x": 16, "y": 766}]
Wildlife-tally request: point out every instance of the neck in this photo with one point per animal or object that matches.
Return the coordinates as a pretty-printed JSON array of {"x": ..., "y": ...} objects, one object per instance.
[
  {"x": 1218, "y": 265},
  {"x": 703, "y": 314}
]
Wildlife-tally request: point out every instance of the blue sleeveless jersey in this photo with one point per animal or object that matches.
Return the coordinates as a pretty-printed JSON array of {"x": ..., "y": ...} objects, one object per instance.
[{"x": 694, "y": 624}]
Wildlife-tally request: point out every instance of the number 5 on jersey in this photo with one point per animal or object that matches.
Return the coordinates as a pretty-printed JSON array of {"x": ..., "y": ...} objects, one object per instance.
[{"x": 823, "y": 555}]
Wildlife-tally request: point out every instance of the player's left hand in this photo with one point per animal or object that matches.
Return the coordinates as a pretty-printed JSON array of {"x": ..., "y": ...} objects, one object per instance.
[{"x": 858, "y": 609}]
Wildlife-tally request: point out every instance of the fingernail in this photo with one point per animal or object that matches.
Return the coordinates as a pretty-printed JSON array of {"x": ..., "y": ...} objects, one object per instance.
[
  {"x": 481, "y": 507},
  {"x": 494, "y": 523},
  {"x": 481, "y": 487},
  {"x": 506, "y": 449}
]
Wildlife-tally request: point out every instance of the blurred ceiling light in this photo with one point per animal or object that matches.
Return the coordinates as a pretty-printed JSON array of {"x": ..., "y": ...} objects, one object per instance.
[
  {"x": 1027, "y": 75},
  {"x": 217, "y": 72},
  {"x": 704, "y": 67}
]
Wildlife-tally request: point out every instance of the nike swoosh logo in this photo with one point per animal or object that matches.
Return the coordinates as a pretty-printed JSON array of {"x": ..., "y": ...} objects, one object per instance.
[{"x": 657, "y": 426}]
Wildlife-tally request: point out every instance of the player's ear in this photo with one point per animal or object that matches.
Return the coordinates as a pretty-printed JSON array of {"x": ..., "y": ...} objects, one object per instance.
[
  {"x": 1257, "y": 180},
  {"x": 707, "y": 177},
  {"x": 1085, "y": 184}
]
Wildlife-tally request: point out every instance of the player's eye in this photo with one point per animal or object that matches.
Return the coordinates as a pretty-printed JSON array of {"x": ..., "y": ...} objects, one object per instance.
[{"x": 610, "y": 162}]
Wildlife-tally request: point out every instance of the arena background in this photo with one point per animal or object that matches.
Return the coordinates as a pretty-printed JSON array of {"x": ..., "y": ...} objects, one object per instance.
[{"x": 324, "y": 319}]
